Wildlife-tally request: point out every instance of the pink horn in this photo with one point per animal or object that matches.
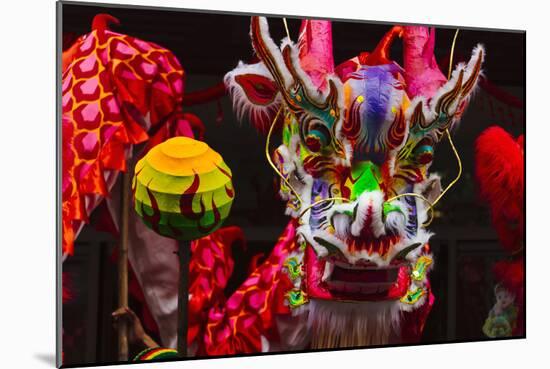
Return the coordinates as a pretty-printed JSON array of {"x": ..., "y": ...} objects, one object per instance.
[
  {"x": 315, "y": 44},
  {"x": 422, "y": 74}
]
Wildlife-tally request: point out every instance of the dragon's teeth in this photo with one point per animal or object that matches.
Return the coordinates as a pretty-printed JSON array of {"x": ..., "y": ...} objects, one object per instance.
[
  {"x": 371, "y": 247},
  {"x": 329, "y": 267},
  {"x": 384, "y": 247}
]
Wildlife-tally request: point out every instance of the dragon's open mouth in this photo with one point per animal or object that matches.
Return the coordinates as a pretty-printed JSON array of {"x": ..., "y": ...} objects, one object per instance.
[
  {"x": 336, "y": 278},
  {"x": 361, "y": 283}
]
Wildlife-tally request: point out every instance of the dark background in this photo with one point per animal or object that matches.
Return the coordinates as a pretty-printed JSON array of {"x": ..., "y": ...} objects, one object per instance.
[{"x": 208, "y": 46}]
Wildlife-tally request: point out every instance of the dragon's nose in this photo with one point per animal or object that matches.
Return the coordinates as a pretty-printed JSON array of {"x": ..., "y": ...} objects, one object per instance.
[{"x": 369, "y": 215}]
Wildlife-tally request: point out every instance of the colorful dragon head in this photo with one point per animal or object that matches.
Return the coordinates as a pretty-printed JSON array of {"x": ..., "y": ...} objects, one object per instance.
[{"x": 357, "y": 143}]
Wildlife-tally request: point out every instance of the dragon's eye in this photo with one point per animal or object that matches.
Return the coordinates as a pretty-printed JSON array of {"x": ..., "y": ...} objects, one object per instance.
[
  {"x": 423, "y": 153},
  {"x": 317, "y": 135},
  {"x": 313, "y": 143}
]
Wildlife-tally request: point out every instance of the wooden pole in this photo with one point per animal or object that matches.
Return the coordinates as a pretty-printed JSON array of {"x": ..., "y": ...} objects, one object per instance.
[
  {"x": 184, "y": 254},
  {"x": 123, "y": 266}
]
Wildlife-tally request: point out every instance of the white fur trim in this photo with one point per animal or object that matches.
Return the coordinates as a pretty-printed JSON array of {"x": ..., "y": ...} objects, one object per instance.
[
  {"x": 434, "y": 192},
  {"x": 265, "y": 343},
  {"x": 397, "y": 221},
  {"x": 305, "y": 232},
  {"x": 274, "y": 51},
  {"x": 341, "y": 223},
  {"x": 369, "y": 202},
  {"x": 313, "y": 92},
  {"x": 428, "y": 106},
  {"x": 241, "y": 104}
]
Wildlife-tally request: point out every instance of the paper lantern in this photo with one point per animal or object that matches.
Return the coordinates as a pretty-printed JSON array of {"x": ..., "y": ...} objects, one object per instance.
[{"x": 182, "y": 189}]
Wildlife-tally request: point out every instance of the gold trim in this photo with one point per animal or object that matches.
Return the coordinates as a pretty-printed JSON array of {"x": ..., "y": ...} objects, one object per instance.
[{"x": 268, "y": 157}]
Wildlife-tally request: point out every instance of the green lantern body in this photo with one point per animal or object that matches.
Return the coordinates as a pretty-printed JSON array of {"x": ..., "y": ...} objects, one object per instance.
[{"x": 182, "y": 189}]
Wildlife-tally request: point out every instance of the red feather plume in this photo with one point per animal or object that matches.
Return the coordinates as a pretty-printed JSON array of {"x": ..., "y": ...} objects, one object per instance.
[{"x": 500, "y": 173}]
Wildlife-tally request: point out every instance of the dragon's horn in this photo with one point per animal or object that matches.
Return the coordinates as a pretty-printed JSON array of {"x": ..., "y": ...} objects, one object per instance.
[
  {"x": 284, "y": 66},
  {"x": 381, "y": 54},
  {"x": 423, "y": 76},
  {"x": 315, "y": 45},
  {"x": 269, "y": 53},
  {"x": 102, "y": 21}
]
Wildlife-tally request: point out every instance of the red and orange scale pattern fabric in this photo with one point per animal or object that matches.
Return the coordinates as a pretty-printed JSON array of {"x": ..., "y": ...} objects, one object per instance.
[
  {"x": 110, "y": 84},
  {"x": 250, "y": 312}
]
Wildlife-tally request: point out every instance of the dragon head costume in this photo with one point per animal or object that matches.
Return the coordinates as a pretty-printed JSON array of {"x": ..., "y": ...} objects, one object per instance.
[{"x": 358, "y": 140}]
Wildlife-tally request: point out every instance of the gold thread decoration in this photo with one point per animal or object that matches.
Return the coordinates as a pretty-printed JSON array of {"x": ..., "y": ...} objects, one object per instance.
[
  {"x": 449, "y": 133},
  {"x": 452, "y": 54},
  {"x": 459, "y": 161},
  {"x": 430, "y": 205},
  {"x": 268, "y": 157},
  {"x": 286, "y": 28}
]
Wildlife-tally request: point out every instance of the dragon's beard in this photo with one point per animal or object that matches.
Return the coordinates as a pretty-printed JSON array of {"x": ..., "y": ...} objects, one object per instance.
[{"x": 336, "y": 324}]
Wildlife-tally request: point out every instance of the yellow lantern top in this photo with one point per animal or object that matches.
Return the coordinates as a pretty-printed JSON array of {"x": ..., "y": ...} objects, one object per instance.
[{"x": 183, "y": 156}]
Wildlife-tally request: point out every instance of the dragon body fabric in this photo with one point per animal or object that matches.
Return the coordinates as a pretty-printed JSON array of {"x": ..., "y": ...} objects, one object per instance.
[
  {"x": 116, "y": 91},
  {"x": 119, "y": 91}
]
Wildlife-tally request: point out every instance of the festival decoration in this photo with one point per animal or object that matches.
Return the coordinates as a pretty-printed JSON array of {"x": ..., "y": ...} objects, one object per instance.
[
  {"x": 501, "y": 321},
  {"x": 358, "y": 140},
  {"x": 116, "y": 90},
  {"x": 119, "y": 91},
  {"x": 182, "y": 189},
  {"x": 357, "y": 143},
  {"x": 352, "y": 266},
  {"x": 500, "y": 174},
  {"x": 110, "y": 83}
]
